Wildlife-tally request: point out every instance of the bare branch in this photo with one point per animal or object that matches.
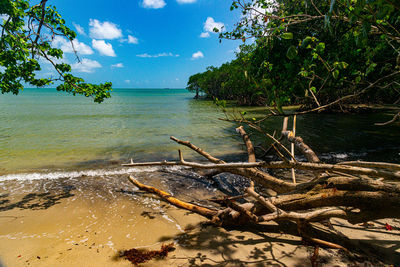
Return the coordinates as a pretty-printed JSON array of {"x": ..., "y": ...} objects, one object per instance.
[
  {"x": 303, "y": 147},
  {"x": 198, "y": 150},
  {"x": 395, "y": 117},
  {"x": 275, "y": 165},
  {"x": 208, "y": 213},
  {"x": 247, "y": 142},
  {"x": 383, "y": 165}
]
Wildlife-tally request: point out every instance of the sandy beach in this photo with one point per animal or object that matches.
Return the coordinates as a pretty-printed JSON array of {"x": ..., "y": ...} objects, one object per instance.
[{"x": 85, "y": 221}]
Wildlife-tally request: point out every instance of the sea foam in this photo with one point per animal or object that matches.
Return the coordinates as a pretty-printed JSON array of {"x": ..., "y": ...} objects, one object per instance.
[{"x": 76, "y": 174}]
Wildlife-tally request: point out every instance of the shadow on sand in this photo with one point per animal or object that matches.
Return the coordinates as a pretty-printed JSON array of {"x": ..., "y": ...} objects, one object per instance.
[
  {"x": 267, "y": 245},
  {"x": 36, "y": 201}
]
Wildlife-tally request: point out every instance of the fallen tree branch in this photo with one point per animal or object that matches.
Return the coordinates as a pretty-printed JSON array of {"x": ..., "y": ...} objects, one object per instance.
[
  {"x": 395, "y": 117},
  {"x": 382, "y": 165},
  {"x": 348, "y": 190},
  {"x": 276, "y": 165},
  {"x": 247, "y": 142},
  {"x": 208, "y": 213},
  {"x": 197, "y": 149},
  {"x": 300, "y": 145}
]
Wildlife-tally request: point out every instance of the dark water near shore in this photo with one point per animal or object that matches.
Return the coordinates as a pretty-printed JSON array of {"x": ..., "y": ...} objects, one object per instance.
[{"x": 44, "y": 131}]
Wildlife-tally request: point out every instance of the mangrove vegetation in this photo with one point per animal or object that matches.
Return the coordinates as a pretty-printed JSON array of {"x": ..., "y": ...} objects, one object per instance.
[{"x": 312, "y": 53}]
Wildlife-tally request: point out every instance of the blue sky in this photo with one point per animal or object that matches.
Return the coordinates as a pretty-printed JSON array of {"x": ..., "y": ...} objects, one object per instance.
[{"x": 146, "y": 43}]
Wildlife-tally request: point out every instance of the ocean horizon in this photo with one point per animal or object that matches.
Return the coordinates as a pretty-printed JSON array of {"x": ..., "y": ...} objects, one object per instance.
[
  {"x": 43, "y": 129},
  {"x": 49, "y": 134}
]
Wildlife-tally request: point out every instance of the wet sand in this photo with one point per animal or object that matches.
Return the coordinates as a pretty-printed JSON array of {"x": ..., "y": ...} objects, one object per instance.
[{"x": 85, "y": 221}]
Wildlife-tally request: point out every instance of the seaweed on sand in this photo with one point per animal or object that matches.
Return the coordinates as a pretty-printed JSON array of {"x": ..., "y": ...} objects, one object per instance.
[{"x": 140, "y": 256}]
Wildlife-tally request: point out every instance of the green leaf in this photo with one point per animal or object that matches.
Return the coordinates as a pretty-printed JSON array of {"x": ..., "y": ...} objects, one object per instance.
[
  {"x": 320, "y": 47},
  {"x": 306, "y": 42},
  {"x": 287, "y": 35},
  {"x": 291, "y": 52},
  {"x": 335, "y": 74}
]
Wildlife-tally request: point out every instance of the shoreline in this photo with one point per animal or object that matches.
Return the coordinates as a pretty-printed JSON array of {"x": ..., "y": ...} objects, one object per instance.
[
  {"x": 79, "y": 221},
  {"x": 85, "y": 221}
]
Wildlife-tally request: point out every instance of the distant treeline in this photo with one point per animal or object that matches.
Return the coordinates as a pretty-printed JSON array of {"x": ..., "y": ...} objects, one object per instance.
[{"x": 312, "y": 59}]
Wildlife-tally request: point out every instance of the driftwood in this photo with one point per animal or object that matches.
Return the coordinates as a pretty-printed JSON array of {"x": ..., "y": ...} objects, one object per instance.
[{"x": 355, "y": 191}]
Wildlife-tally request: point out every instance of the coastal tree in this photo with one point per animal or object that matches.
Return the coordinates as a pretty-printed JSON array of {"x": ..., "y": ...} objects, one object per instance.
[
  {"x": 320, "y": 53},
  {"x": 27, "y": 32}
]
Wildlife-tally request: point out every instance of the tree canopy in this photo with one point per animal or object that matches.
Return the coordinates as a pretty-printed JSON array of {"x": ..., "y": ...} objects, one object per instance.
[
  {"x": 310, "y": 52},
  {"x": 27, "y": 32}
]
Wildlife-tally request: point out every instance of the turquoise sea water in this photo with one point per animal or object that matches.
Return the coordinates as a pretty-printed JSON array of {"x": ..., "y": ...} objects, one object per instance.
[{"x": 42, "y": 129}]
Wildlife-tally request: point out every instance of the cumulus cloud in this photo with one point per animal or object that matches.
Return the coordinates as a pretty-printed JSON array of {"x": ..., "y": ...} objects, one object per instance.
[
  {"x": 209, "y": 26},
  {"x": 237, "y": 50},
  {"x": 197, "y": 55},
  {"x": 48, "y": 64},
  {"x": 86, "y": 65},
  {"x": 257, "y": 11},
  {"x": 204, "y": 35},
  {"x": 104, "y": 30},
  {"x": 104, "y": 48},
  {"x": 79, "y": 28},
  {"x": 185, "y": 1},
  {"x": 153, "y": 4},
  {"x": 131, "y": 40},
  {"x": 4, "y": 17},
  {"x": 145, "y": 55},
  {"x": 66, "y": 47},
  {"x": 118, "y": 65}
]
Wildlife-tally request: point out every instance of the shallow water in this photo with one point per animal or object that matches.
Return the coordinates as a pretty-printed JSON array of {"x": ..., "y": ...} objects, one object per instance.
[
  {"x": 50, "y": 134},
  {"x": 45, "y": 129}
]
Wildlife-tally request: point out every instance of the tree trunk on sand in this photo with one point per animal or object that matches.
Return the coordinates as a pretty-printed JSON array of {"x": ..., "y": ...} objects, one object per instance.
[{"x": 355, "y": 191}]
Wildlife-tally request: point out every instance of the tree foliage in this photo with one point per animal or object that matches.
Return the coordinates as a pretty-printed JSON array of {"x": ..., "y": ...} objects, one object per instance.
[
  {"x": 312, "y": 52},
  {"x": 26, "y": 38}
]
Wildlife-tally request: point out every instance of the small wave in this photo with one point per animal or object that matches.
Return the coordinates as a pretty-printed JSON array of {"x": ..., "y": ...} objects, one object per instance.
[
  {"x": 342, "y": 155},
  {"x": 76, "y": 174}
]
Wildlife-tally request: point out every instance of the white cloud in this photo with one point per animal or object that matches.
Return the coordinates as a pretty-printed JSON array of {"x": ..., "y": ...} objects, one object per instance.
[
  {"x": 145, "y": 55},
  {"x": 257, "y": 12},
  {"x": 131, "y": 40},
  {"x": 237, "y": 50},
  {"x": 185, "y": 1},
  {"x": 49, "y": 66},
  {"x": 210, "y": 24},
  {"x": 118, "y": 65},
  {"x": 204, "y": 35},
  {"x": 79, "y": 28},
  {"x": 66, "y": 47},
  {"x": 153, "y": 4},
  {"x": 197, "y": 55},
  {"x": 104, "y": 48},
  {"x": 128, "y": 81},
  {"x": 104, "y": 30},
  {"x": 4, "y": 17},
  {"x": 86, "y": 65}
]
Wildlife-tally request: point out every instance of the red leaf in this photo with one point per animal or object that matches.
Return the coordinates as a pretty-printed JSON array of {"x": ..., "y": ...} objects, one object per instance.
[
  {"x": 19, "y": 256},
  {"x": 388, "y": 227}
]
